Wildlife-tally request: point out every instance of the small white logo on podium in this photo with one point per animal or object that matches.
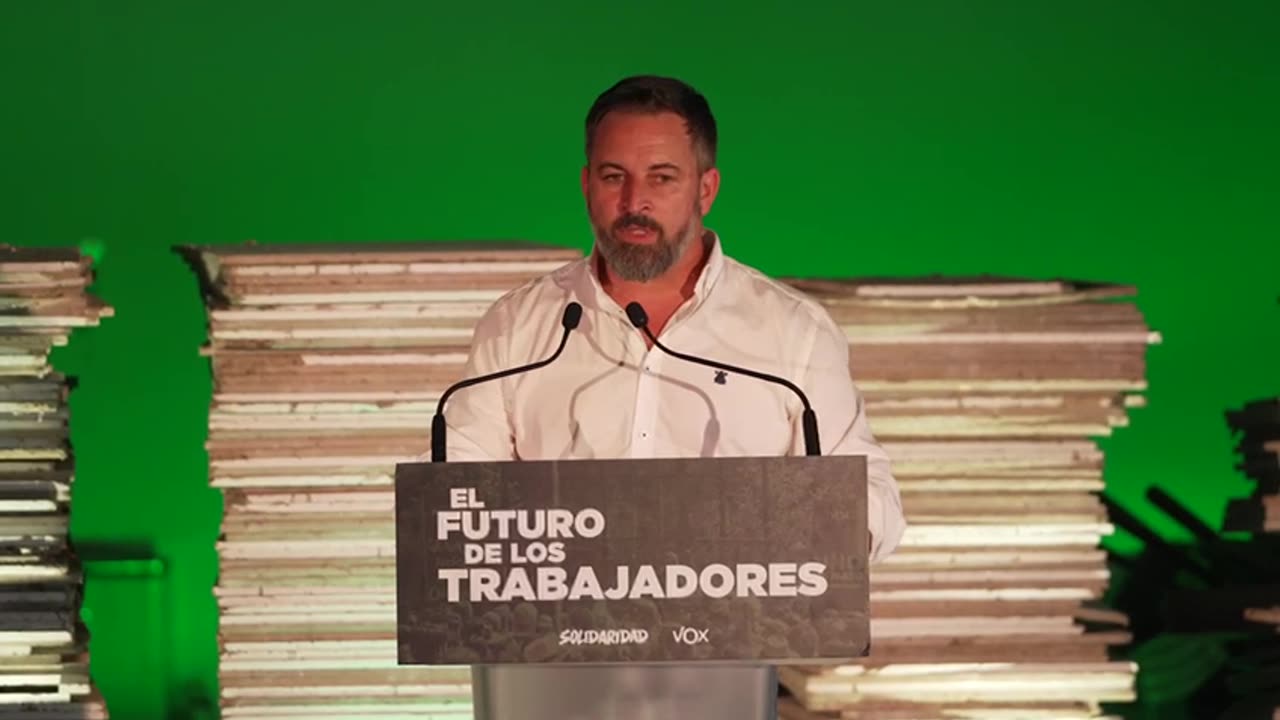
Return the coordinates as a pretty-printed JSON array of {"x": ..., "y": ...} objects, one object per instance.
[{"x": 690, "y": 636}]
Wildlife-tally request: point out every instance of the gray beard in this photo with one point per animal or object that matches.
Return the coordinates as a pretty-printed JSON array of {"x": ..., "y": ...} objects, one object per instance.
[{"x": 642, "y": 263}]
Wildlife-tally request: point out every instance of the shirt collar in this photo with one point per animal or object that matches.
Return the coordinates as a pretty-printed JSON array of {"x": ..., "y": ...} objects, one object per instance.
[{"x": 583, "y": 281}]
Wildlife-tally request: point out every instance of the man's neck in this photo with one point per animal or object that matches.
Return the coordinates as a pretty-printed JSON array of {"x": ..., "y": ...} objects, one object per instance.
[{"x": 663, "y": 295}]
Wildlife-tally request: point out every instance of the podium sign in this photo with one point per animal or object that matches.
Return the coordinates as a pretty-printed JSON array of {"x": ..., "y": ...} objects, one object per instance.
[{"x": 724, "y": 560}]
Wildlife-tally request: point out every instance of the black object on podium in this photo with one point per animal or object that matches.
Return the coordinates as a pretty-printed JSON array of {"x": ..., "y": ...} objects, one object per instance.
[{"x": 631, "y": 588}]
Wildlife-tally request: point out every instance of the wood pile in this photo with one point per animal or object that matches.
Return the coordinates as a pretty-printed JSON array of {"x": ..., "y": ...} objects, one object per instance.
[
  {"x": 1239, "y": 599},
  {"x": 44, "y": 654},
  {"x": 988, "y": 394},
  {"x": 327, "y": 363},
  {"x": 1258, "y": 427}
]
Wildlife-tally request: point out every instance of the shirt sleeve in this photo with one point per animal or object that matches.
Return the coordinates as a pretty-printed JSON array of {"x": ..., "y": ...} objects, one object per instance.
[
  {"x": 477, "y": 417},
  {"x": 843, "y": 429}
]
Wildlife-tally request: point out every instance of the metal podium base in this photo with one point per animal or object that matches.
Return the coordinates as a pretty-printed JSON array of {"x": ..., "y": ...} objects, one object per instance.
[{"x": 618, "y": 692}]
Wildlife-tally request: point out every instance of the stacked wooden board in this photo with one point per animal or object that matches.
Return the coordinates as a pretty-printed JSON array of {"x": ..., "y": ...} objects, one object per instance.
[
  {"x": 988, "y": 394},
  {"x": 1251, "y": 602},
  {"x": 327, "y": 364},
  {"x": 1258, "y": 675},
  {"x": 1245, "y": 591},
  {"x": 1217, "y": 642},
  {"x": 44, "y": 657},
  {"x": 1258, "y": 427}
]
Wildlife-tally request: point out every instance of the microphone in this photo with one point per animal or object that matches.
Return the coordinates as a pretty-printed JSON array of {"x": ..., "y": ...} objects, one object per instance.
[
  {"x": 569, "y": 321},
  {"x": 639, "y": 318}
]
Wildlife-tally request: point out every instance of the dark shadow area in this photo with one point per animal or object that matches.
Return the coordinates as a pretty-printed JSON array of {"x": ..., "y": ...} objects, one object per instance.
[
  {"x": 94, "y": 552},
  {"x": 1205, "y": 614},
  {"x": 207, "y": 271}
]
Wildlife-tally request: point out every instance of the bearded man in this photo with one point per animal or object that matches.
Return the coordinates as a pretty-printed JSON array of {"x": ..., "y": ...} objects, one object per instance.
[{"x": 649, "y": 180}]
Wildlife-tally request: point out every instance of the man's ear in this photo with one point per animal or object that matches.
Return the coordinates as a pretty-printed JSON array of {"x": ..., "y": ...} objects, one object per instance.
[
  {"x": 586, "y": 176},
  {"x": 708, "y": 189}
]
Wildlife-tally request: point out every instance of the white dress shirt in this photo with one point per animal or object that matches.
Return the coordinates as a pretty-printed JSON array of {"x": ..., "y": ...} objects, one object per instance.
[{"x": 610, "y": 396}]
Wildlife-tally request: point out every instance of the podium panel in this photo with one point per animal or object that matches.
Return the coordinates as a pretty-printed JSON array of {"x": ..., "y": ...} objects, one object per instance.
[
  {"x": 625, "y": 692},
  {"x": 649, "y": 588}
]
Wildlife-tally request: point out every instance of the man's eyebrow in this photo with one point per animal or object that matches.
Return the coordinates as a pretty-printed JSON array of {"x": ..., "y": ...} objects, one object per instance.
[{"x": 607, "y": 165}]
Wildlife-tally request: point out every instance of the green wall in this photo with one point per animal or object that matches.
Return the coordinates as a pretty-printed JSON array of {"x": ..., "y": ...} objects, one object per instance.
[{"x": 1132, "y": 142}]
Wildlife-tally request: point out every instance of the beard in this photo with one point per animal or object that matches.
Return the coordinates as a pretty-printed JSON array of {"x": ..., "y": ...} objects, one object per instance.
[{"x": 641, "y": 263}]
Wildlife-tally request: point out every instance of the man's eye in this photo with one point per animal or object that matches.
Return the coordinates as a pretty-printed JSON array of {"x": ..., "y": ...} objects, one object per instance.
[{"x": 661, "y": 179}]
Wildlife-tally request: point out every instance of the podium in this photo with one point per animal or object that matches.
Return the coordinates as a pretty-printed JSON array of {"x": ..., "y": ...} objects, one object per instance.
[{"x": 631, "y": 588}]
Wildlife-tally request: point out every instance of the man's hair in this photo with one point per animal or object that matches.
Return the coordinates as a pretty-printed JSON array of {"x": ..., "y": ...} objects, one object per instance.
[{"x": 653, "y": 94}]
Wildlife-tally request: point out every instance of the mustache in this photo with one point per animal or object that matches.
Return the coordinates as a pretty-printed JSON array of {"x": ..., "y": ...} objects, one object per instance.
[{"x": 632, "y": 220}]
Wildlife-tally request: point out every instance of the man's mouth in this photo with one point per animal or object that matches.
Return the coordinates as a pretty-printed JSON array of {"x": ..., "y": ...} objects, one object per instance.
[{"x": 637, "y": 232}]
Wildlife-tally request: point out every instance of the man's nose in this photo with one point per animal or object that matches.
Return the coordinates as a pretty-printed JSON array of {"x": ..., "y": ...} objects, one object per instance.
[{"x": 635, "y": 198}]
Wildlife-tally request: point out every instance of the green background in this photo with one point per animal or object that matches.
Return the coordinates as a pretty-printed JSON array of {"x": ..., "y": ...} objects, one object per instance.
[{"x": 1132, "y": 142}]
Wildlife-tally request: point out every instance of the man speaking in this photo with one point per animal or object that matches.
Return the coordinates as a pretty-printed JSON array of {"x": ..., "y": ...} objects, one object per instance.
[{"x": 657, "y": 273}]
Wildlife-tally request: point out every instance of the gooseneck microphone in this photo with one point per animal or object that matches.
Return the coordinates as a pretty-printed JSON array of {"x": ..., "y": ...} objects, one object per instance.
[
  {"x": 569, "y": 321},
  {"x": 639, "y": 318}
]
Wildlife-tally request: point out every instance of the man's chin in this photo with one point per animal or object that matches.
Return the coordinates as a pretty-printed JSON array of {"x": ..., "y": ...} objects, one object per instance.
[
  {"x": 628, "y": 264},
  {"x": 636, "y": 274}
]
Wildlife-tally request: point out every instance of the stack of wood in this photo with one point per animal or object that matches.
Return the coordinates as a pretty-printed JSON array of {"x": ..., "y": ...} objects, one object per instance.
[
  {"x": 1258, "y": 679},
  {"x": 987, "y": 393},
  {"x": 1220, "y": 594},
  {"x": 1244, "y": 572},
  {"x": 327, "y": 364},
  {"x": 1258, "y": 426},
  {"x": 44, "y": 665},
  {"x": 1247, "y": 599}
]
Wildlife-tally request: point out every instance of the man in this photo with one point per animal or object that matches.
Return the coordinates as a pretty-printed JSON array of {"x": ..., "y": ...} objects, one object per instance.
[{"x": 649, "y": 180}]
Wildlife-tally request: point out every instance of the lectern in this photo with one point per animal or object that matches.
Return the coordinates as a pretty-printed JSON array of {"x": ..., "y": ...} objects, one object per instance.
[{"x": 617, "y": 589}]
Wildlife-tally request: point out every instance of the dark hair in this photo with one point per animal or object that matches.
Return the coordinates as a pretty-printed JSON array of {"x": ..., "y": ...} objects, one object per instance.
[{"x": 651, "y": 93}]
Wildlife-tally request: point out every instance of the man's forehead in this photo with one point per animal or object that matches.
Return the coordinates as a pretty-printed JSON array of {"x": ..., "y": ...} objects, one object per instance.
[{"x": 639, "y": 134}]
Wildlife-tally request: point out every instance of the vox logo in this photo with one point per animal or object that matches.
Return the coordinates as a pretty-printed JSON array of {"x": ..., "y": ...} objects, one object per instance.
[{"x": 690, "y": 636}]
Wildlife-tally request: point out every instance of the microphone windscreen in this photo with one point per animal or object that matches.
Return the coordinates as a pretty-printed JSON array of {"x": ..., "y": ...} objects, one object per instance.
[
  {"x": 572, "y": 316},
  {"x": 637, "y": 315}
]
